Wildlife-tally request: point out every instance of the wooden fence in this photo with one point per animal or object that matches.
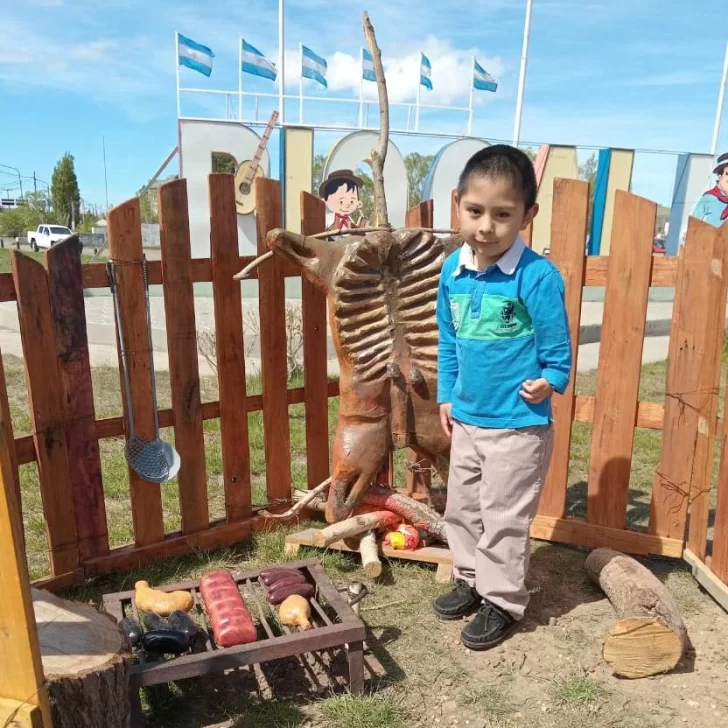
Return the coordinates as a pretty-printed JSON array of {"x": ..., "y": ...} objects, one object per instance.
[{"x": 66, "y": 433}]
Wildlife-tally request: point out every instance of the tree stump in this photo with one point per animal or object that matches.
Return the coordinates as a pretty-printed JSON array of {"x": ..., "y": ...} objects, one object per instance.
[
  {"x": 650, "y": 636},
  {"x": 85, "y": 661}
]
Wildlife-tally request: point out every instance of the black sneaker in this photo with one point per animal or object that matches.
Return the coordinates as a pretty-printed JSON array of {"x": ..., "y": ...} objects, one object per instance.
[
  {"x": 490, "y": 626},
  {"x": 459, "y": 602}
]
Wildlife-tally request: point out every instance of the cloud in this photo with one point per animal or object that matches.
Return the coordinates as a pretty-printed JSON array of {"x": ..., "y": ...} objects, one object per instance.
[
  {"x": 669, "y": 78},
  {"x": 46, "y": 3}
]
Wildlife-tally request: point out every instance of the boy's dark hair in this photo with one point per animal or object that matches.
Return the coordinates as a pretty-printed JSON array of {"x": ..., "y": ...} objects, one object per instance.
[
  {"x": 502, "y": 160},
  {"x": 333, "y": 185}
]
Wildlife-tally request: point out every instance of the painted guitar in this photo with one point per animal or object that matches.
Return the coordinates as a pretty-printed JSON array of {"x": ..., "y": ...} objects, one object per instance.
[{"x": 249, "y": 170}]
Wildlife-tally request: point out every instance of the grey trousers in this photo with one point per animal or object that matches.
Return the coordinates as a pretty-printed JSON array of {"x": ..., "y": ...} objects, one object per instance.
[{"x": 493, "y": 491}]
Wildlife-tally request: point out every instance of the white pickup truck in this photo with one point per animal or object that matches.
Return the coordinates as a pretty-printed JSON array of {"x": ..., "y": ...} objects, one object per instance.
[{"x": 47, "y": 235}]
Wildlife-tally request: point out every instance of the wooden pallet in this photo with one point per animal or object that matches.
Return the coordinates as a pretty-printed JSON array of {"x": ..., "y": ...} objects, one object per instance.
[
  {"x": 335, "y": 624},
  {"x": 439, "y": 555}
]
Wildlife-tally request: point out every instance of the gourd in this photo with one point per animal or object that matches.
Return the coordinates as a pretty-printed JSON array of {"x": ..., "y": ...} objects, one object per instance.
[
  {"x": 295, "y": 612},
  {"x": 182, "y": 622},
  {"x": 159, "y": 602},
  {"x": 281, "y": 590},
  {"x": 152, "y": 621},
  {"x": 132, "y": 631},
  {"x": 166, "y": 642}
]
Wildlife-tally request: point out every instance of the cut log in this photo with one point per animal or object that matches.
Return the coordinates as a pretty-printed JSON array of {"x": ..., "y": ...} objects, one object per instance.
[
  {"x": 650, "y": 636},
  {"x": 85, "y": 661},
  {"x": 369, "y": 550},
  {"x": 356, "y": 525}
]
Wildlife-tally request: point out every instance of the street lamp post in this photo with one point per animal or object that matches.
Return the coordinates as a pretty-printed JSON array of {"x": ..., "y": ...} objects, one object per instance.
[{"x": 15, "y": 169}]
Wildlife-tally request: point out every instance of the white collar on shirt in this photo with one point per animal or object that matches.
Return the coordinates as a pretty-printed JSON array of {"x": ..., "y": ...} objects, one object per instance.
[{"x": 508, "y": 262}]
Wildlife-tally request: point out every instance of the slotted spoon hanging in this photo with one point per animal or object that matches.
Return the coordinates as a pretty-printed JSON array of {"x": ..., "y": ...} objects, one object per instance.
[{"x": 153, "y": 460}]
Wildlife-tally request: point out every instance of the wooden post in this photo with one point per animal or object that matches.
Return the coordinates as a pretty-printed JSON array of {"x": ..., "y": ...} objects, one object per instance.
[
  {"x": 620, "y": 359},
  {"x": 125, "y": 248},
  {"x": 230, "y": 349},
  {"x": 22, "y": 690},
  {"x": 315, "y": 359},
  {"x": 47, "y": 411},
  {"x": 184, "y": 375},
  {"x": 65, "y": 285},
  {"x": 12, "y": 456},
  {"x": 272, "y": 302},
  {"x": 691, "y": 391},
  {"x": 568, "y": 232}
]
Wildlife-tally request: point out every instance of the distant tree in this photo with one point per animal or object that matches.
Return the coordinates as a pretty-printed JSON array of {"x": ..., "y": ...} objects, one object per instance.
[
  {"x": 530, "y": 153},
  {"x": 588, "y": 172},
  {"x": 318, "y": 172},
  {"x": 65, "y": 193},
  {"x": 417, "y": 167},
  {"x": 222, "y": 162}
]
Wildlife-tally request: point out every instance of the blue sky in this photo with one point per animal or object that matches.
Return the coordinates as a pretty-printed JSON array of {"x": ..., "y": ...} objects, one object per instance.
[{"x": 625, "y": 73}]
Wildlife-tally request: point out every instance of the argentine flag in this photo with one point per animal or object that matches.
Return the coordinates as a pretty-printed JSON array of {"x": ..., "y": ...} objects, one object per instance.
[
  {"x": 482, "y": 80},
  {"x": 425, "y": 72},
  {"x": 313, "y": 66},
  {"x": 253, "y": 61},
  {"x": 367, "y": 66},
  {"x": 194, "y": 55}
]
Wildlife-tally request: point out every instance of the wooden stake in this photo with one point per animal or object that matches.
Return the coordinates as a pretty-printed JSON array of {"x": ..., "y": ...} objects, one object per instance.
[
  {"x": 380, "y": 153},
  {"x": 369, "y": 551},
  {"x": 650, "y": 636}
]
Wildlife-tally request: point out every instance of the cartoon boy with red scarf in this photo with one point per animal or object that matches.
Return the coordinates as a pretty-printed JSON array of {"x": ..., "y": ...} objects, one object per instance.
[
  {"x": 713, "y": 205},
  {"x": 340, "y": 191}
]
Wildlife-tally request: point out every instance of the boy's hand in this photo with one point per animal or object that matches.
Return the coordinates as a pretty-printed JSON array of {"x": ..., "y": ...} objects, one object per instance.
[
  {"x": 534, "y": 391},
  {"x": 445, "y": 419}
]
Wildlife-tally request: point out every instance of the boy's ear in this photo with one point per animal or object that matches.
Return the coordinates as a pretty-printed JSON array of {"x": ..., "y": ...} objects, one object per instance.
[{"x": 528, "y": 217}]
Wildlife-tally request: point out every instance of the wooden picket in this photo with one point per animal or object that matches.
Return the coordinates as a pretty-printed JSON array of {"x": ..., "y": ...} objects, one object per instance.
[
  {"x": 11, "y": 474},
  {"x": 184, "y": 377},
  {"x": 69, "y": 320},
  {"x": 620, "y": 359},
  {"x": 45, "y": 397},
  {"x": 568, "y": 231},
  {"x": 315, "y": 359},
  {"x": 230, "y": 349},
  {"x": 125, "y": 250},
  {"x": 274, "y": 367}
]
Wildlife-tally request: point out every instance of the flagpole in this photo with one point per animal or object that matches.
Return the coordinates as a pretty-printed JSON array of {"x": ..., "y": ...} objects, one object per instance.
[
  {"x": 361, "y": 89},
  {"x": 470, "y": 111},
  {"x": 240, "y": 78},
  {"x": 419, "y": 89},
  {"x": 719, "y": 110},
  {"x": 300, "y": 86},
  {"x": 176, "y": 64},
  {"x": 281, "y": 61},
  {"x": 522, "y": 77}
]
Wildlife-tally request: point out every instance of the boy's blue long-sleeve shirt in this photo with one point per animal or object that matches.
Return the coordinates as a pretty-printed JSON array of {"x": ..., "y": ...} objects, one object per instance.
[{"x": 498, "y": 328}]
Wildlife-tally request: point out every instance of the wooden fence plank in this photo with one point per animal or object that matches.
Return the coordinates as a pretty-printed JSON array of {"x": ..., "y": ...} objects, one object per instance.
[
  {"x": 63, "y": 263},
  {"x": 272, "y": 301},
  {"x": 229, "y": 346},
  {"x": 620, "y": 359},
  {"x": 21, "y": 676},
  {"x": 125, "y": 248},
  {"x": 12, "y": 456},
  {"x": 46, "y": 410},
  {"x": 315, "y": 357},
  {"x": 184, "y": 375},
  {"x": 419, "y": 478},
  {"x": 568, "y": 233},
  {"x": 691, "y": 395}
]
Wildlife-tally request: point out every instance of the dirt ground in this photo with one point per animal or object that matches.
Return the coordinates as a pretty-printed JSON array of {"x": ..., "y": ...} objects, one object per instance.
[{"x": 549, "y": 674}]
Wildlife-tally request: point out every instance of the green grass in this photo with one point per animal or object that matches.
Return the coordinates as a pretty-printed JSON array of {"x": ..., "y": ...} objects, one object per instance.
[
  {"x": 578, "y": 691},
  {"x": 492, "y": 701},
  {"x": 348, "y": 711},
  {"x": 5, "y": 259}
]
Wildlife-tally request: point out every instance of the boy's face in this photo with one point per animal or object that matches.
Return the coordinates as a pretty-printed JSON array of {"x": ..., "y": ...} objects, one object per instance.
[
  {"x": 492, "y": 213},
  {"x": 344, "y": 201},
  {"x": 723, "y": 180}
]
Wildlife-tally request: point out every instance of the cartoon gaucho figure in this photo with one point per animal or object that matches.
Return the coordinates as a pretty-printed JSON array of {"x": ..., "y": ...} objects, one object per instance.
[
  {"x": 713, "y": 205},
  {"x": 340, "y": 191}
]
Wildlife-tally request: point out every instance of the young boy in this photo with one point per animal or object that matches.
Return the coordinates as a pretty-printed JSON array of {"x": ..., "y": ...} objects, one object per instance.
[
  {"x": 504, "y": 349},
  {"x": 341, "y": 191}
]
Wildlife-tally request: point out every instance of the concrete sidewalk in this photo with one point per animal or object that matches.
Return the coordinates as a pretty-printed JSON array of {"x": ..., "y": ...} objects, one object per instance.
[{"x": 102, "y": 337}]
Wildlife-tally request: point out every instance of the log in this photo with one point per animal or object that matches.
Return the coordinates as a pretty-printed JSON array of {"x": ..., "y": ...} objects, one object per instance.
[
  {"x": 356, "y": 525},
  {"x": 650, "y": 636},
  {"x": 85, "y": 662},
  {"x": 369, "y": 550}
]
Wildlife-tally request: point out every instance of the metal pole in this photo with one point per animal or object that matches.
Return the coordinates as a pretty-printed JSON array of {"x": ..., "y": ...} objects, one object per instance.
[
  {"x": 361, "y": 89},
  {"x": 522, "y": 77},
  {"x": 719, "y": 110},
  {"x": 176, "y": 66},
  {"x": 35, "y": 185},
  {"x": 240, "y": 78},
  {"x": 281, "y": 61},
  {"x": 300, "y": 85},
  {"x": 106, "y": 183},
  {"x": 419, "y": 89},
  {"x": 470, "y": 111}
]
